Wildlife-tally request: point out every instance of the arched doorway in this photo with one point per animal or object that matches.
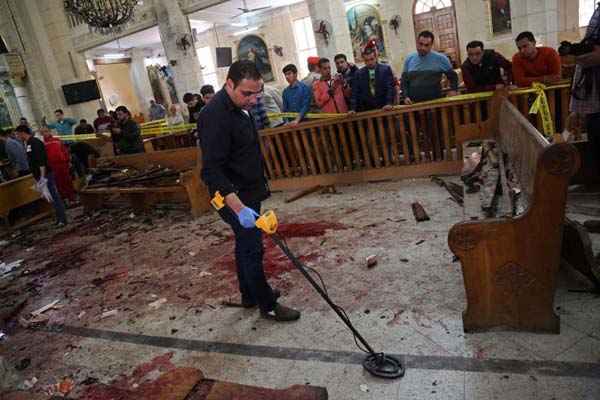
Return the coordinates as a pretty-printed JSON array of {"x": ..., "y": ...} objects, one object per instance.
[{"x": 438, "y": 16}]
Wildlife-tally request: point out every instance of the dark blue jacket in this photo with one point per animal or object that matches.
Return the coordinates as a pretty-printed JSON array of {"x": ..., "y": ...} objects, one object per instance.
[{"x": 362, "y": 100}]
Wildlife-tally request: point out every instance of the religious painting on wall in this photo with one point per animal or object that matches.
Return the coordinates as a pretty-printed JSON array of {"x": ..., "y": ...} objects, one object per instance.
[
  {"x": 500, "y": 16},
  {"x": 365, "y": 26},
  {"x": 253, "y": 48}
]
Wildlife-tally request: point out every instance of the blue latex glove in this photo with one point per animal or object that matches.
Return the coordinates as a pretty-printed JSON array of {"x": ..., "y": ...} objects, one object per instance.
[{"x": 247, "y": 217}]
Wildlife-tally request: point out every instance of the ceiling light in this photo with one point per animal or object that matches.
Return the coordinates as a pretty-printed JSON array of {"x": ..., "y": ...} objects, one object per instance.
[
  {"x": 248, "y": 30},
  {"x": 239, "y": 24},
  {"x": 114, "y": 55}
]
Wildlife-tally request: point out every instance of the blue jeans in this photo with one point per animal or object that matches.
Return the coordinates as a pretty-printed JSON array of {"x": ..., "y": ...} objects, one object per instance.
[
  {"x": 249, "y": 261},
  {"x": 57, "y": 203}
]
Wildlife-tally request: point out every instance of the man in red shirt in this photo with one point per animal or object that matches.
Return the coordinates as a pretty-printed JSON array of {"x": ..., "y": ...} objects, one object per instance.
[
  {"x": 534, "y": 64},
  {"x": 329, "y": 93}
]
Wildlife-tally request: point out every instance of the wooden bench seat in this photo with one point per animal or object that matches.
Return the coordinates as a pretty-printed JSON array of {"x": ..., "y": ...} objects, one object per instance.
[
  {"x": 190, "y": 189},
  {"x": 18, "y": 193},
  {"x": 510, "y": 262}
]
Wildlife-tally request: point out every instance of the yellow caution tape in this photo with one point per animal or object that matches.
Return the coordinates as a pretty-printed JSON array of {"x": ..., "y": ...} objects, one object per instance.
[
  {"x": 540, "y": 106},
  {"x": 150, "y": 131}
]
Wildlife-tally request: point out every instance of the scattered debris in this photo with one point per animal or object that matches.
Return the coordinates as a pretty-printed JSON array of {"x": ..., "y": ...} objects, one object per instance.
[
  {"x": 420, "y": 242},
  {"x": 419, "y": 212},
  {"x": 108, "y": 314},
  {"x": 39, "y": 319},
  {"x": 65, "y": 386},
  {"x": 371, "y": 261},
  {"x": 6, "y": 269},
  {"x": 156, "y": 304},
  {"x": 45, "y": 308},
  {"x": 90, "y": 381},
  {"x": 455, "y": 190},
  {"x": 592, "y": 225},
  {"x": 23, "y": 364},
  {"x": 204, "y": 274},
  {"x": 192, "y": 254},
  {"x": 404, "y": 260},
  {"x": 30, "y": 383},
  {"x": 364, "y": 388},
  {"x": 81, "y": 314},
  {"x": 304, "y": 193}
]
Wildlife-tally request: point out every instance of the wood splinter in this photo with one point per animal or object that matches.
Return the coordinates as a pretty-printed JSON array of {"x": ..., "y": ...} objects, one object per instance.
[{"x": 419, "y": 212}]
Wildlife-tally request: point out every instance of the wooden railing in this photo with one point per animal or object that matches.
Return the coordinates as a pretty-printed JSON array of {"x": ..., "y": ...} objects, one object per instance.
[{"x": 412, "y": 141}]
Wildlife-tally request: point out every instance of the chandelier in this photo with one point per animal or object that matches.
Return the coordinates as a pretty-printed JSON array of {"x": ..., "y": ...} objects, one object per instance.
[{"x": 103, "y": 16}]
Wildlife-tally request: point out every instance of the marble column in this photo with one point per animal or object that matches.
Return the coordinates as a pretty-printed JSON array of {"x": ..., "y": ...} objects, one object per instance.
[
  {"x": 139, "y": 76},
  {"x": 539, "y": 17},
  {"x": 173, "y": 26},
  {"x": 334, "y": 13},
  {"x": 23, "y": 100}
]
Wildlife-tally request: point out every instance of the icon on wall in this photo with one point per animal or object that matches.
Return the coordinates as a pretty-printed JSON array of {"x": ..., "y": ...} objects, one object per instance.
[
  {"x": 501, "y": 22},
  {"x": 365, "y": 26},
  {"x": 253, "y": 48}
]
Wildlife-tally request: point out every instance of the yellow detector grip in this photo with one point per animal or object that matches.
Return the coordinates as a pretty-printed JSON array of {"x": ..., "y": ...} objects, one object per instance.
[
  {"x": 267, "y": 222},
  {"x": 218, "y": 201}
]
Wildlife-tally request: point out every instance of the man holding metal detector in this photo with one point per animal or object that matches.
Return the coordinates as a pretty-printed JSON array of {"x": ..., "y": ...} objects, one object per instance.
[{"x": 232, "y": 168}]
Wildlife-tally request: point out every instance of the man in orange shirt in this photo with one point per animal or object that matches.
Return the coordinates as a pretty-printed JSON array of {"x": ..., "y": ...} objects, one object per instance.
[
  {"x": 534, "y": 64},
  {"x": 329, "y": 93}
]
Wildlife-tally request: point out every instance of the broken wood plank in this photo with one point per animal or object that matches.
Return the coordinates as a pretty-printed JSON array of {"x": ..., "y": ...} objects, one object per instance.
[
  {"x": 304, "y": 193},
  {"x": 419, "y": 212},
  {"x": 45, "y": 308}
]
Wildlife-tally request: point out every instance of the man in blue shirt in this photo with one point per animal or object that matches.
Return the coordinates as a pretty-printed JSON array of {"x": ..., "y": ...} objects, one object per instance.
[
  {"x": 373, "y": 85},
  {"x": 423, "y": 70},
  {"x": 62, "y": 126},
  {"x": 297, "y": 96},
  {"x": 15, "y": 151}
]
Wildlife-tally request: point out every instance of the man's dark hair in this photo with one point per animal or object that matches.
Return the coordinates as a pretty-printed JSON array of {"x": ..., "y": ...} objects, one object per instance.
[
  {"x": 207, "y": 89},
  {"x": 83, "y": 121},
  {"x": 188, "y": 97},
  {"x": 122, "y": 109},
  {"x": 323, "y": 61},
  {"x": 427, "y": 35},
  {"x": 4, "y": 132},
  {"x": 525, "y": 35},
  {"x": 23, "y": 129},
  {"x": 474, "y": 44},
  {"x": 340, "y": 56},
  {"x": 367, "y": 51},
  {"x": 23, "y": 119},
  {"x": 58, "y": 110},
  {"x": 100, "y": 110},
  {"x": 290, "y": 68},
  {"x": 243, "y": 69}
]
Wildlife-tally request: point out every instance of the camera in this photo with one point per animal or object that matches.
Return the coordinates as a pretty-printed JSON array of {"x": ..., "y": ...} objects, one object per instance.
[{"x": 575, "y": 49}]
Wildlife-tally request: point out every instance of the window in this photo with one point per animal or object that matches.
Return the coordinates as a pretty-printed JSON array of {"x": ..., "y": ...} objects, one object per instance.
[
  {"x": 586, "y": 10},
  {"x": 207, "y": 62},
  {"x": 424, "y": 6},
  {"x": 305, "y": 43}
]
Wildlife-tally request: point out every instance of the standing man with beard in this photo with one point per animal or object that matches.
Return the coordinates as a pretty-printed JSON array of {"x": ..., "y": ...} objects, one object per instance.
[
  {"x": 232, "y": 165},
  {"x": 128, "y": 131}
]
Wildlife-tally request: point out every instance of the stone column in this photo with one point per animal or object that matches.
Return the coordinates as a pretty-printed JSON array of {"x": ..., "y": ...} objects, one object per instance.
[
  {"x": 23, "y": 100},
  {"x": 139, "y": 76},
  {"x": 173, "y": 25},
  {"x": 537, "y": 16},
  {"x": 334, "y": 12}
]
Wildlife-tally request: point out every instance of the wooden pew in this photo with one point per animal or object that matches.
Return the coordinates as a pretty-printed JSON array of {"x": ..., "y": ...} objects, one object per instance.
[
  {"x": 19, "y": 193},
  {"x": 510, "y": 264},
  {"x": 190, "y": 189}
]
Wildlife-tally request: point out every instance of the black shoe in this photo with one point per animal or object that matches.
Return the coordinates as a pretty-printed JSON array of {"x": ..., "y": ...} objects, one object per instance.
[
  {"x": 248, "y": 304},
  {"x": 282, "y": 314}
]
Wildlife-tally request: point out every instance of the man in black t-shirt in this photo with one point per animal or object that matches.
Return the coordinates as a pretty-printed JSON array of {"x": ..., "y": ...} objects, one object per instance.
[
  {"x": 38, "y": 164},
  {"x": 130, "y": 137}
]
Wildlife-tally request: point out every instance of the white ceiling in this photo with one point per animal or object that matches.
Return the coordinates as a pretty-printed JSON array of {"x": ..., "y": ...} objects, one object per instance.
[{"x": 201, "y": 21}]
